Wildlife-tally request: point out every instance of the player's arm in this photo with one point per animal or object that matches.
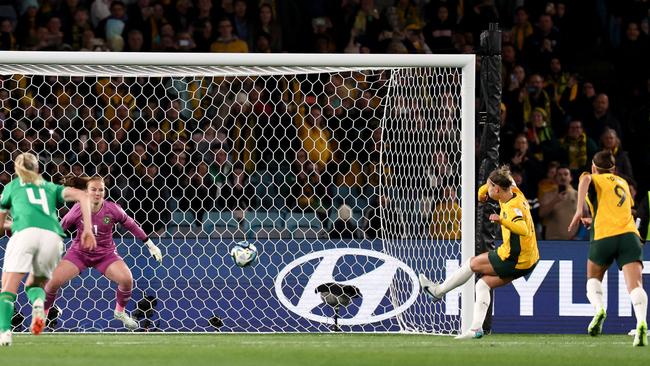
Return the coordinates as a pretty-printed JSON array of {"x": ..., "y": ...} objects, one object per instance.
[
  {"x": 71, "y": 218},
  {"x": 131, "y": 225},
  {"x": 72, "y": 194},
  {"x": 3, "y": 224},
  {"x": 643, "y": 218},
  {"x": 516, "y": 224},
  {"x": 583, "y": 186}
]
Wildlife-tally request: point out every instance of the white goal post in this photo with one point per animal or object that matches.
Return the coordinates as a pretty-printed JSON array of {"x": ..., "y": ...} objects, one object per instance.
[{"x": 340, "y": 168}]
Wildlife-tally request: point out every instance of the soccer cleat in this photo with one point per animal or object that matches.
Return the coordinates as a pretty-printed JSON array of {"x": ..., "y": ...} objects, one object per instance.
[
  {"x": 470, "y": 334},
  {"x": 5, "y": 338},
  {"x": 429, "y": 287},
  {"x": 641, "y": 335},
  {"x": 128, "y": 322},
  {"x": 596, "y": 326},
  {"x": 38, "y": 317}
]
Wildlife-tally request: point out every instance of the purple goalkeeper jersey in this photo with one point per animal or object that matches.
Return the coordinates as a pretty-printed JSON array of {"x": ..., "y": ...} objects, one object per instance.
[{"x": 104, "y": 222}]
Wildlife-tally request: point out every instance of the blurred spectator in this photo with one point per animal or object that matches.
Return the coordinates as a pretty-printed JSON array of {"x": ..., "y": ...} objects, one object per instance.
[
  {"x": 446, "y": 216},
  {"x": 540, "y": 135},
  {"x": 228, "y": 42},
  {"x": 543, "y": 44},
  {"x": 578, "y": 149},
  {"x": 237, "y": 191},
  {"x": 268, "y": 29},
  {"x": 240, "y": 21},
  {"x": 183, "y": 15},
  {"x": 521, "y": 29},
  {"x": 414, "y": 40},
  {"x": 610, "y": 141},
  {"x": 558, "y": 206},
  {"x": 203, "y": 35},
  {"x": 113, "y": 25},
  {"x": 534, "y": 96},
  {"x": 134, "y": 41},
  {"x": 438, "y": 33},
  {"x": 8, "y": 41},
  {"x": 548, "y": 183},
  {"x": 139, "y": 15},
  {"x": 99, "y": 10},
  {"x": 74, "y": 33},
  {"x": 368, "y": 24},
  {"x": 525, "y": 163},
  {"x": 601, "y": 118}
]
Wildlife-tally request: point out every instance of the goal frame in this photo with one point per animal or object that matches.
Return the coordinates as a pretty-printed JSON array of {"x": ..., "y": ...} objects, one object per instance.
[{"x": 78, "y": 62}]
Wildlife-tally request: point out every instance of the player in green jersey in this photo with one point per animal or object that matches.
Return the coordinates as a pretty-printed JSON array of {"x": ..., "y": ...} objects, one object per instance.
[{"x": 35, "y": 246}]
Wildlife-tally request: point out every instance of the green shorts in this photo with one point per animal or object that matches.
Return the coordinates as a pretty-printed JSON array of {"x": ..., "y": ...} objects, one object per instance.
[
  {"x": 625, "y": 248},
  {"x": 506, "y": 269}
]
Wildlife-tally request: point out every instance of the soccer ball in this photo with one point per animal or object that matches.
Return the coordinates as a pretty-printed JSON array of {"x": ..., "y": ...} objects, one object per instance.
[{"x": 243, "y": 253}]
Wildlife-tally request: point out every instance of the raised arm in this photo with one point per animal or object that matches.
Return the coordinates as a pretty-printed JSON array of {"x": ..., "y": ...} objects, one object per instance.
[
  {"x": 583, "y": 186},
  {"x": 87, "y": 237},
  {"x": 135, "y": 229}
]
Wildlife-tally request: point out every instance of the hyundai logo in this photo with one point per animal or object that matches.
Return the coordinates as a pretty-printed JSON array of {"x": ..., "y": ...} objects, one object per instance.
[{"x": 373, "y": 285}]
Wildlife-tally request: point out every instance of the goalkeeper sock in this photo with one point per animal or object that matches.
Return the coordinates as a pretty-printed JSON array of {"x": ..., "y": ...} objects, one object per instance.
[
  {"x": 122, "y": 298},
  {"x": 7, "y": 300},
  {"x": 459, "y": 277},
  {"x": 481, "y": 305},
  {"x": 595, "y": 293},
  {"x": 35, "y": 293},
  {"x": 50, "y": 296},
  {"x": 640, "y": 304}
]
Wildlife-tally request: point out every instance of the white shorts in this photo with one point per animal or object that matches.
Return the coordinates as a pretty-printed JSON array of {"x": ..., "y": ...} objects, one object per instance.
[{"x": 33, "y": 250}]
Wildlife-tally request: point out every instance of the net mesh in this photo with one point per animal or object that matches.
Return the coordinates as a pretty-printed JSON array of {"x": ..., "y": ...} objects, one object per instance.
[{"x": 348, "y": 176}]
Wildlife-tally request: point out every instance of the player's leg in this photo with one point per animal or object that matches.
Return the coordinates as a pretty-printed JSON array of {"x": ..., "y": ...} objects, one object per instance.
[
  {"x": 17, "y": 262},
  {"x": 482, "y": 303},
  {"x": 478, "y": 264},
  {"x": 64, "y": 272},
  {"x": 632, "y": 273},
  {"x": 630, "y": 259},
  {"x": 595, "y": 274},
  {"x": 46, "y": 259},
  {"x": 601, "y": 256},
  {"x": 10, "y": 283},
  {"x": 120, "y": 273}
]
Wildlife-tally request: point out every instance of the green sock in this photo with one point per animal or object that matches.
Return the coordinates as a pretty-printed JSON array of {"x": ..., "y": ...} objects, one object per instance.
[
  {"x": 34, "y": 293},
  {"x": 7, "y": 300}
]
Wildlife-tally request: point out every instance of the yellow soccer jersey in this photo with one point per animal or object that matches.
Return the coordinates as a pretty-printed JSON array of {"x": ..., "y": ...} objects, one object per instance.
[
  {"x": 518, "y": 231},
  {"x": 610, "y": 203}
]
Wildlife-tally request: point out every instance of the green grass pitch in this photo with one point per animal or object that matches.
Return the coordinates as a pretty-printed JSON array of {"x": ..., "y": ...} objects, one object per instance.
[{"x": 319, "y": 349}]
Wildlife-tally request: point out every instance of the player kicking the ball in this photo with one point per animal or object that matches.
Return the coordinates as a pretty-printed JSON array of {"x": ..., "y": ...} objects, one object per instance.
[
  {"x": 516, "y": 257},
  {"x": 105, "y": 215},
  {"x": 35, "y": 245}
]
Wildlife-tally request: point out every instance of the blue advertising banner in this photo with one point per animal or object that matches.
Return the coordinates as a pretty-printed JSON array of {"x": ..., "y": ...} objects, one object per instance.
[
  {"x": 553, "y": 298},
  {"x": 199, "y": 288}
]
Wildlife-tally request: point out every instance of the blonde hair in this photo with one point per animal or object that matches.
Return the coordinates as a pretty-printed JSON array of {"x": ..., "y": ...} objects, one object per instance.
[
  {"x": 26, "y": 166},
  {"x": 502, "y": 177}
]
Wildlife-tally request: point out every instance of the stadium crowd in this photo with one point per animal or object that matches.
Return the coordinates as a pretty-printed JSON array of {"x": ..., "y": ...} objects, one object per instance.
[{"x": 575, "y": 81}]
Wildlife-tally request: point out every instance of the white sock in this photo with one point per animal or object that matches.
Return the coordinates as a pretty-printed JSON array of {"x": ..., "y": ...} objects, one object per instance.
[
  {"x": 639, "y": 303},
  {"x": 481, "y": 304},
  {"x": 595, "y": 293},
  {"x": 459, "y": 277}
]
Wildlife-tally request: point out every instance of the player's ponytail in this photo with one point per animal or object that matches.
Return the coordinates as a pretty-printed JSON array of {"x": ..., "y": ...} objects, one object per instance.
[
  {"x": 74, "y": 181},
  {"x": 26, "y": 166},
  {"x": 502, "y": 177},
  {"x": 71, "y": 180}
]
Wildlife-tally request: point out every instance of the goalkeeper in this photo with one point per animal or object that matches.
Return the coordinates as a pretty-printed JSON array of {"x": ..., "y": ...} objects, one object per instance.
[
  {"x": 105, "y": 215},
  {"x": 516, "y": 257}
]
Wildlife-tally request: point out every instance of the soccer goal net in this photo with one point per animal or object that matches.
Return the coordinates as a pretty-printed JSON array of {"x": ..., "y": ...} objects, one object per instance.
[{"x": 351, "y": 171}]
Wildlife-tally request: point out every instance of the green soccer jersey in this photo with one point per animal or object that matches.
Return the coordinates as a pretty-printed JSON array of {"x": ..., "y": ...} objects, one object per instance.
[{"x": 33, "y": 206}]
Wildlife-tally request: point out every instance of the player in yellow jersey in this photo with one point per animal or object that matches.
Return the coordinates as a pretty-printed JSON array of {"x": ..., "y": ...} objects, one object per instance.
[
  {"x": 516, "y": 257},
  {"x": 613, "y": 235}
]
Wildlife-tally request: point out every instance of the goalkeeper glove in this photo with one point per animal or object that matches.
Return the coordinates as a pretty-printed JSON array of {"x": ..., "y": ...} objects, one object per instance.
[{"x": 154, "y": 250}]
